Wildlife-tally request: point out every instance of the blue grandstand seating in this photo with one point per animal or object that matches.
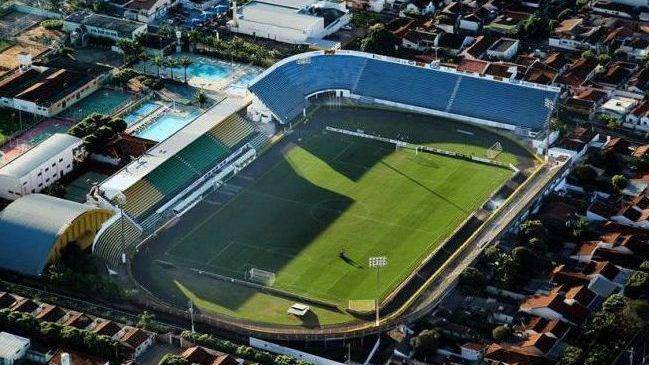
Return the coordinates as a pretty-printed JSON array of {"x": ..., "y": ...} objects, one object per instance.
[
  {"x": 284, "y": 89},
  {"x": 501, "y": 102},
  {"x": 406, "y": 84}
]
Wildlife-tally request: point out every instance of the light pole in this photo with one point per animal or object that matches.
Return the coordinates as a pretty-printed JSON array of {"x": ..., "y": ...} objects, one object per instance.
[
  {"x": 377, "y": 262},
  {"x": 120, "y": 199},
  {"x": 549, "y": 104},
  {"x": 191, "y": 314}
]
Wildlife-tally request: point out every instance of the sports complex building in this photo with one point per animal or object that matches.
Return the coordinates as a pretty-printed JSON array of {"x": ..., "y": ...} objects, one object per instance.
[{"x": 205, "y": 209}]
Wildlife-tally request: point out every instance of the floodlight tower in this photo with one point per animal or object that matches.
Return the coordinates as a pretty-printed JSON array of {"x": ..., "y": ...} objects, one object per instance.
[
  {"x": 120, "y": 200},
  {"x": 549, "y": 104},
  {"x": 377, "y": 262}
]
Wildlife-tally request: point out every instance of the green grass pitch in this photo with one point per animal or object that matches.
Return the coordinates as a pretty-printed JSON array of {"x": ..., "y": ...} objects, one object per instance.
[{"x": 329, "y": 193}]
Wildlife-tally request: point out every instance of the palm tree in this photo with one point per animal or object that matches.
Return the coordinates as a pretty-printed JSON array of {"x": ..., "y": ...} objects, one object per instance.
[
  {"x": 144, "y": 57},
  {"x": 185, "y": 62},
  {"x": 159, "y": 61},
  {"x": 171, "y": 63}
]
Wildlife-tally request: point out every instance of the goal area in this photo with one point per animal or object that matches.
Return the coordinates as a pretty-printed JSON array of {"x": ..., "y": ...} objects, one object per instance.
[{"x": 260, "y": 276}]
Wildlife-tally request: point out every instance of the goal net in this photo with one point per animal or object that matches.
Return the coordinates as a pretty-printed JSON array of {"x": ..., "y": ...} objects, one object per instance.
[
  {"x": 260, "y": 276},
  {"x": 494, "y": 150}
]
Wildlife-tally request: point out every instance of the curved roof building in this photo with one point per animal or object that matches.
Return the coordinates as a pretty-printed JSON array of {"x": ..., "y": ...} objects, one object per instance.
[
  {"x": 35, "y": 228},
  {"x": 510, "y": 104}
]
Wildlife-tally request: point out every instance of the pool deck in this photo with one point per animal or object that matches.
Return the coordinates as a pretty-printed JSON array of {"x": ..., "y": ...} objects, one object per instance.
[{"x": 236, "y": 72}]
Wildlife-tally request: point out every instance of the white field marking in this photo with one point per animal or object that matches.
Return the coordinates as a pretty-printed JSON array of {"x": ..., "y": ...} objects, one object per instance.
[{"x": 216, "y": 255}]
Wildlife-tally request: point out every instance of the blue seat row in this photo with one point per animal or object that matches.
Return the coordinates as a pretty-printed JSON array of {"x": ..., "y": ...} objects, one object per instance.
[{"x": 284, "y": 89}]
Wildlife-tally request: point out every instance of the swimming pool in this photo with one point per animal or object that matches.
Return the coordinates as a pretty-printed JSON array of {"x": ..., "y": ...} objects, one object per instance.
[
  {"x": 164, "y": 126},
  {"x": 208, "y": 71},
  {"x": 140, "y": 112}
]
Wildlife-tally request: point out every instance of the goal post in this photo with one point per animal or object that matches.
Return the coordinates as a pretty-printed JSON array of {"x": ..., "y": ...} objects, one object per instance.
[
  {"x": 494, "y": 150},
  {"x": 260, "y": 276}
]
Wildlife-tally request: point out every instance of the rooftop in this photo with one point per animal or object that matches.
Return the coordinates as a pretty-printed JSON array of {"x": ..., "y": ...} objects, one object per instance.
[
  {"x": 123, "y": 27},
  {"x": 37, "y": 156}
]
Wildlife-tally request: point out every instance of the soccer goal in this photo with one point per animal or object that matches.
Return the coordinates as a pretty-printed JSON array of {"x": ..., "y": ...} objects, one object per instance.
[
  {"x": 494, "y": 150},
  {"x": 260, "y": 276}
]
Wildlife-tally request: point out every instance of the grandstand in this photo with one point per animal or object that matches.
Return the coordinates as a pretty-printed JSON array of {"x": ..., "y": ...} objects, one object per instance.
[
  {"x": 284, "y": 89},
  {"x": 155, "y": 181}
]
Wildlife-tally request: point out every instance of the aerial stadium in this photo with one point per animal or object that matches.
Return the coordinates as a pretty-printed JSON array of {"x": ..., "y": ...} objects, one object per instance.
[{"x": 337, "y": 184}]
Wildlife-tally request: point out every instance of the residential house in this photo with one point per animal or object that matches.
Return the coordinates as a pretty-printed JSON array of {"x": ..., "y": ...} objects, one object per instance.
[
  {"x": 504, "y": 49},
  {"x": 555, "y": 305},
  {"x": 137, "y": 340},
  {"x": 601, "y": 278}
]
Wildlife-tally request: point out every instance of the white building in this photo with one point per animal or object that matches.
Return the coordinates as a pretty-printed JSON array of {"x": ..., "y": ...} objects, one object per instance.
[
  {"x": 618, "y": 107},
  {"x": 504, "y": 49},
  {"x": 39, "y": 167},
  {"x": 84, "y": 23},
  {"x": 12, "y": 348},
  {"x": 147, "y": 11},
  {"x": 290, "y": 21}
]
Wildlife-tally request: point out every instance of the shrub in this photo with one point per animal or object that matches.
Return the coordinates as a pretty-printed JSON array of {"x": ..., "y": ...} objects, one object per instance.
[
  {"x": 55, "y": 24},
  {"x": 501, "y": 333}
]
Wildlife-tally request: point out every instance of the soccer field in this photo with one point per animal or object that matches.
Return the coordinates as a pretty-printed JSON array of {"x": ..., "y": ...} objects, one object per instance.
[{"x": 325, "y": 193}]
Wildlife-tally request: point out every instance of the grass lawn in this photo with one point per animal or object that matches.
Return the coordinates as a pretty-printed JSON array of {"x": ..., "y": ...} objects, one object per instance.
[{"x": 328, "y": 193}]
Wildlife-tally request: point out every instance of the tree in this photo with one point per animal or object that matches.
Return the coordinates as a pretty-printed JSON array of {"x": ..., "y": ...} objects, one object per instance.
[
  {"x": 56, "y": 189},
  {"x": 426, "y": 343},
  {"x": 97, "y": 130},
  {"x": 185, "y": 62},
  {"x": 201, "y": 98},
  {"x": 131, "y": 49},
  {"x": 603, "y": 59},
  {"x": 572, "y": 355},
  {"x": 599, "y": 355},
  {"x": 644, "y": 266},
  {"x": 144, "y": 57},
  {"x": 145, "y": 320},
  {"x": 620, "y": 55},
  {"x": 580, "y": 228},
  {"x": 472, "y": 281},
  {"x": 379, "y": 40},
  {"x": 535, "y": 26},
  {"x": 614, "y": 303},
  {"x": 166, "y": 31},
  {"x": 619, "y": 182},
  {"x": 637, "y": 285},
  {"x": 123, "y": 76},
  {"x": 172, "y": 359},
  {"x": 585, "y": 175},
  {"x": 56, "y": 24},
  {"x": 159, "y": 61},
  {"x": 532, "y": 229},
  {"x": 501, "y": 333},
  {"x": 171, "y": 63},
  {"x": 589, "y": 55}
]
